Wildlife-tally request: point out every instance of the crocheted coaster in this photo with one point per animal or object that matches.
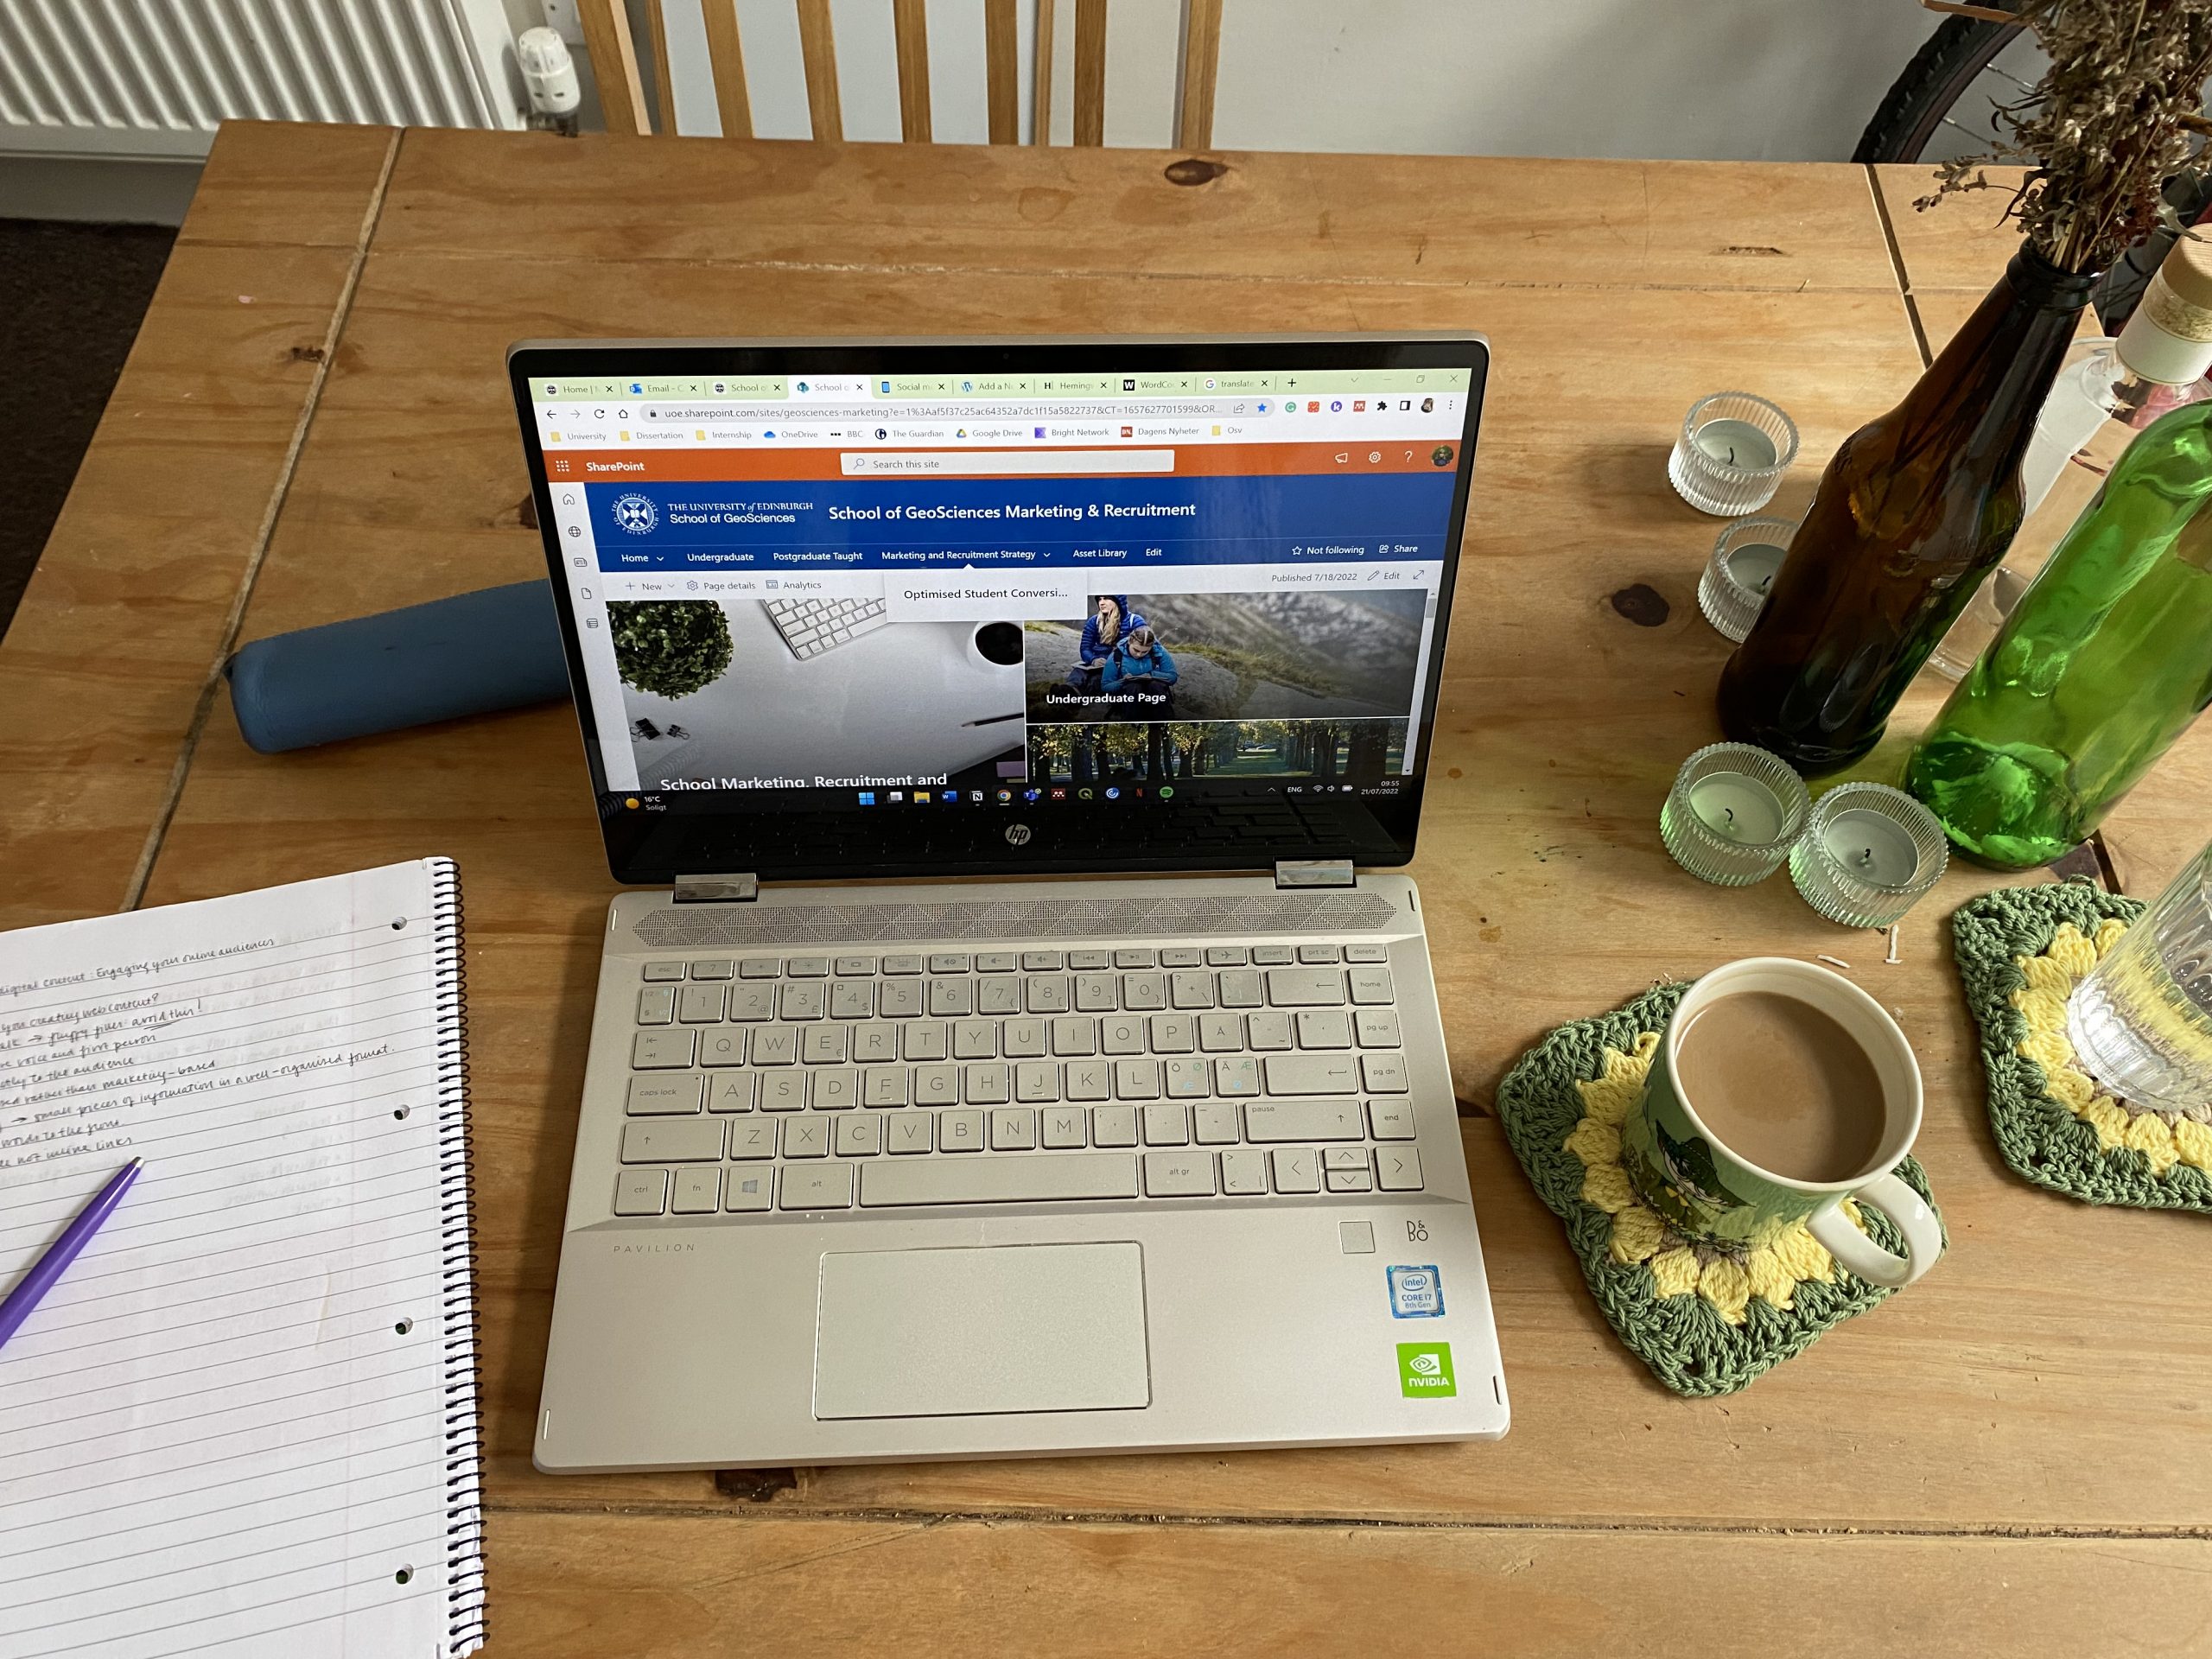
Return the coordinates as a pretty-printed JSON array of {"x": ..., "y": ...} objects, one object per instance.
[
  {"x": 2021, "y": 952},
  {"x": 1706, "y": 1319}
]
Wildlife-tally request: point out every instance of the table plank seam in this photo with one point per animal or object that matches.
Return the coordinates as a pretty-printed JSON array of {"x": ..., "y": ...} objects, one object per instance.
[
  {"x": 172, "y": 791},
  {"x": 2022, "y": 1532},
  {"x": 1898, "y": 266},
  {"x": 875, "y": 268}
]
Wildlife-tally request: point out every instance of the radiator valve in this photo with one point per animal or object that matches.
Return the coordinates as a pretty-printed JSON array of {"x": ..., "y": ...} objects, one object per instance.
[{"x": 549, "y": 74}]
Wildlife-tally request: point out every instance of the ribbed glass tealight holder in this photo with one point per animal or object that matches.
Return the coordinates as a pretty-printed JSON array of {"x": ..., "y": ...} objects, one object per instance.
[{"x": 1732, "y": 454}]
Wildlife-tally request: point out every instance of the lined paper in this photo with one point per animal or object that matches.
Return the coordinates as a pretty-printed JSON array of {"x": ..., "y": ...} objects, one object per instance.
[{"x": 225, "y": 1430}]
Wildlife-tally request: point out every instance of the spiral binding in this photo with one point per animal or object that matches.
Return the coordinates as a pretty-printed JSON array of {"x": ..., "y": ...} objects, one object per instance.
[{"x": 456, "y": 1193}]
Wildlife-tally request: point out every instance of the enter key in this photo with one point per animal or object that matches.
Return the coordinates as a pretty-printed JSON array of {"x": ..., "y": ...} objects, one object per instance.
[{"x": 1313, "y": 1074}]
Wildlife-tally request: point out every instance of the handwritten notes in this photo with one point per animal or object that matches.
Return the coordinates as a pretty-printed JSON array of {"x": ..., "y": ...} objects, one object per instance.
[{"x": 242, "y": 1422}]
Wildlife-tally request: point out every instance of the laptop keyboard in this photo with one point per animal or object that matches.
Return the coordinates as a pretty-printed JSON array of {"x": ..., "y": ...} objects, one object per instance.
[
  {"x": 1015, "y": 1077},
  {"x": 810, "y": 626}
]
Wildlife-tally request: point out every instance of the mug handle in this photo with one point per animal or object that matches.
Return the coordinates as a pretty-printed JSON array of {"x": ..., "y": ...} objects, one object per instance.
[{"x": 1924, "y": 1236}]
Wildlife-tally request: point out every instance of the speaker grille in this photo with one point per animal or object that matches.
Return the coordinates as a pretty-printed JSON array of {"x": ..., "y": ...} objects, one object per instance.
[{"x": 736, "y": 927}]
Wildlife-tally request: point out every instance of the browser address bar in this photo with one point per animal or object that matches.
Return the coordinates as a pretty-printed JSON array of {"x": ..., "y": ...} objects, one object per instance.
[
  {"x": 954, "y": 462},
  {"x": 1027, "y": 409}
]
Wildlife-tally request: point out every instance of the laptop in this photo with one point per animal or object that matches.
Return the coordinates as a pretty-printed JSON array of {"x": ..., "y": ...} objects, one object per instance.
[{"x": 1013, "y": 1039}]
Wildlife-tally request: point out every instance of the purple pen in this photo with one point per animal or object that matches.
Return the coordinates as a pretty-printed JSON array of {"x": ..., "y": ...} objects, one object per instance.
[{"x": 59, "y": 1254}]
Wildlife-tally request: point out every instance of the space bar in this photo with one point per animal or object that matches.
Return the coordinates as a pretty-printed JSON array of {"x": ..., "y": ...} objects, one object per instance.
[{"x": 1023, "y": 1180}]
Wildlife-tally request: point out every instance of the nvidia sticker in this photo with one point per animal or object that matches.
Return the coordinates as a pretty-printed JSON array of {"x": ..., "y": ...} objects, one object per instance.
[{"x": 1425, "y": 1370}]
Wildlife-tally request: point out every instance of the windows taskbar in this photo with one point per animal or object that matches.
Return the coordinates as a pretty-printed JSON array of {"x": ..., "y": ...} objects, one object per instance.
[{"x": 1009, "y": 796}]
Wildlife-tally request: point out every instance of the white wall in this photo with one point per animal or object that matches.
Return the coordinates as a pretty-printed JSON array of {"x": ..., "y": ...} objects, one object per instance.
[
  {"x": 1748, "y": 79},
  {"x": 1762, "y": 80}
]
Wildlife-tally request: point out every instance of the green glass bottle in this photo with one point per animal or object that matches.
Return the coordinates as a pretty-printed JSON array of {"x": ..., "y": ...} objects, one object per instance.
[{"x": 2104, "y": 662}]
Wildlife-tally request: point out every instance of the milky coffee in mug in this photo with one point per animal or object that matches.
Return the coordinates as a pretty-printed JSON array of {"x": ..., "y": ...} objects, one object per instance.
[{"x": 1781, "y": 1088}]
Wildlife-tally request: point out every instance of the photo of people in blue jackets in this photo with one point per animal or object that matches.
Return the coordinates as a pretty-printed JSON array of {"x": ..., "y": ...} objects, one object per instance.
[
  {"x": 1344, "y": 655},
  {"x": 1103, "y": 629},
  {"x": 1139, "y": 666},
  {"x": 1160, "y": 687}
]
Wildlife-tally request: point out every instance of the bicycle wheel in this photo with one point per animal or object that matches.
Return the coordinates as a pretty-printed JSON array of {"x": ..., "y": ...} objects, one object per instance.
[{"x": 1945, "y": 103}]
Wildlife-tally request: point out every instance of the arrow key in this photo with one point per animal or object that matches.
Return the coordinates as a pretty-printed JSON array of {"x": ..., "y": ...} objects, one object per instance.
[{"x": 1399, "y": 1167}]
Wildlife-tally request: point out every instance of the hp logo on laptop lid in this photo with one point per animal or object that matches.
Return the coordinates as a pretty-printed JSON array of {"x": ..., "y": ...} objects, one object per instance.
[{"x": 1017, "y": 834}]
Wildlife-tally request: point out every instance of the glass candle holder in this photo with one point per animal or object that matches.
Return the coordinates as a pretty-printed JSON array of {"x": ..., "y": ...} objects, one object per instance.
[
  {"x": 1868, "y": 853},
  {"x": 1733, "y": 814},
  {"x": 1732, "y": 454},
  {"x": 1732, "y": 591}
]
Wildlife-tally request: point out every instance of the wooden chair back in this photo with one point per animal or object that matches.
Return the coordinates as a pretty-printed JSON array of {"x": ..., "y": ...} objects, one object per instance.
[{"x": 622, "y": 95}]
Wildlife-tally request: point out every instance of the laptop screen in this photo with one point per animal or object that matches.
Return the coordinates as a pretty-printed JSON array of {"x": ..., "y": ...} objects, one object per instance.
[{"x": 913, "y": 597}]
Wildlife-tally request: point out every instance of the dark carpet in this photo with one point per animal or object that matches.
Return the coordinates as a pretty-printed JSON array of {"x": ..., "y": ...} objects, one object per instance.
[{"x": 71, "y": 300}]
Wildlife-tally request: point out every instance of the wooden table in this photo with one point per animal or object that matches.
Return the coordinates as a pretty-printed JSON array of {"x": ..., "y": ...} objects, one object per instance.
[{"x": 2015, "y": 1456}]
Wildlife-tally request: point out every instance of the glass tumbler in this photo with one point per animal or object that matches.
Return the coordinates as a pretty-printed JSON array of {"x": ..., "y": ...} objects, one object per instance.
[
  {"x": 2141, "y": 1024},
  {"x": 1732, "y": 454},
  {"x": 1978, "y": 623}
]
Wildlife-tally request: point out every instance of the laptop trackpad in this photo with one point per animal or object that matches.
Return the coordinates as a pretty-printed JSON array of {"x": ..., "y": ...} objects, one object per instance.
[{"x": 953, "y": 1333}]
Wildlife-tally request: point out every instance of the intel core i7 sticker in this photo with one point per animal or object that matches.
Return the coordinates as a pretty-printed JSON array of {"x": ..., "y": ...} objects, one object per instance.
[{"x": 1415, "y": 1293}]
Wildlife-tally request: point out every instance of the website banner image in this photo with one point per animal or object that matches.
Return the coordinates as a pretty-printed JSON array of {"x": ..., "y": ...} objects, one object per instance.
[{"x": 719, "y": 695}]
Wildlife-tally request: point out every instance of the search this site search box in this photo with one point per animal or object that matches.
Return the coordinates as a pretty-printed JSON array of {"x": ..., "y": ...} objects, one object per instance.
[{"x": 958, "y": 462}]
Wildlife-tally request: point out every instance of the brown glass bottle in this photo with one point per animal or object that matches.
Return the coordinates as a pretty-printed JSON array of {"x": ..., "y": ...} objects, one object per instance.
[{"x": 1914, "y": 511}]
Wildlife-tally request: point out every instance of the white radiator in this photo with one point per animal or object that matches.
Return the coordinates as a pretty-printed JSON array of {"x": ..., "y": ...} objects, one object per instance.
[{"x": 150, "y": 78}]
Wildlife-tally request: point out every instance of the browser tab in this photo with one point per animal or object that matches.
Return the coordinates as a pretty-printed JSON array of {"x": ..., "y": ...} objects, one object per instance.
[
  {"x": 1078, "y": 385},
  {"x": 821, "y": 387}
]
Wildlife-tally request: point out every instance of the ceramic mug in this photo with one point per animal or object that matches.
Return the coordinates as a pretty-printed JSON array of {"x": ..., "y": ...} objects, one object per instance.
[{"x": 1703, "y": 1189}]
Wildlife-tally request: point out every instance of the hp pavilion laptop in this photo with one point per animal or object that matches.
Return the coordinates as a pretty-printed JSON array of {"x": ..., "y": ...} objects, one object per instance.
[{"x": 1141, "y": 1134}]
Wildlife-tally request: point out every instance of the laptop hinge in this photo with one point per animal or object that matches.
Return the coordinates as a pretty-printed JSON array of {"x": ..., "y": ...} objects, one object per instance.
[
  {"x": 1315, "y": 872},
  {"x": 717, "y": 889}
]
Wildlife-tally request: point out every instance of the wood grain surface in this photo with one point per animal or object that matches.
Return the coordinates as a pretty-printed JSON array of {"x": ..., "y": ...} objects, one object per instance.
[
  {"x": 944, "y": 209},
  {"x": 107, "y": 666},
  {"x": 1961, "y": 240},
  {"x": 2011, "y": 1457},
  {"x": 669, "y": 1589}
]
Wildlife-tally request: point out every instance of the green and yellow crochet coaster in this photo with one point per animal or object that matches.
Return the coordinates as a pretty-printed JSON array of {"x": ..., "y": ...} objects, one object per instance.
[
  {"x": 2021, "y": 952},
  {"x": 1706, "y": 1319}
]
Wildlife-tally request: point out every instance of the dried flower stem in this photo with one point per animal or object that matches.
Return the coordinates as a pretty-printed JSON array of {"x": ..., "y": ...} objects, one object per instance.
[{"x": 2106, "y": 127}]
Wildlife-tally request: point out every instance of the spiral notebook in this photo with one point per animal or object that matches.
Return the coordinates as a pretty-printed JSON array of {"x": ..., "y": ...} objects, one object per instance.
[{"x": 244, "y": 1421}]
